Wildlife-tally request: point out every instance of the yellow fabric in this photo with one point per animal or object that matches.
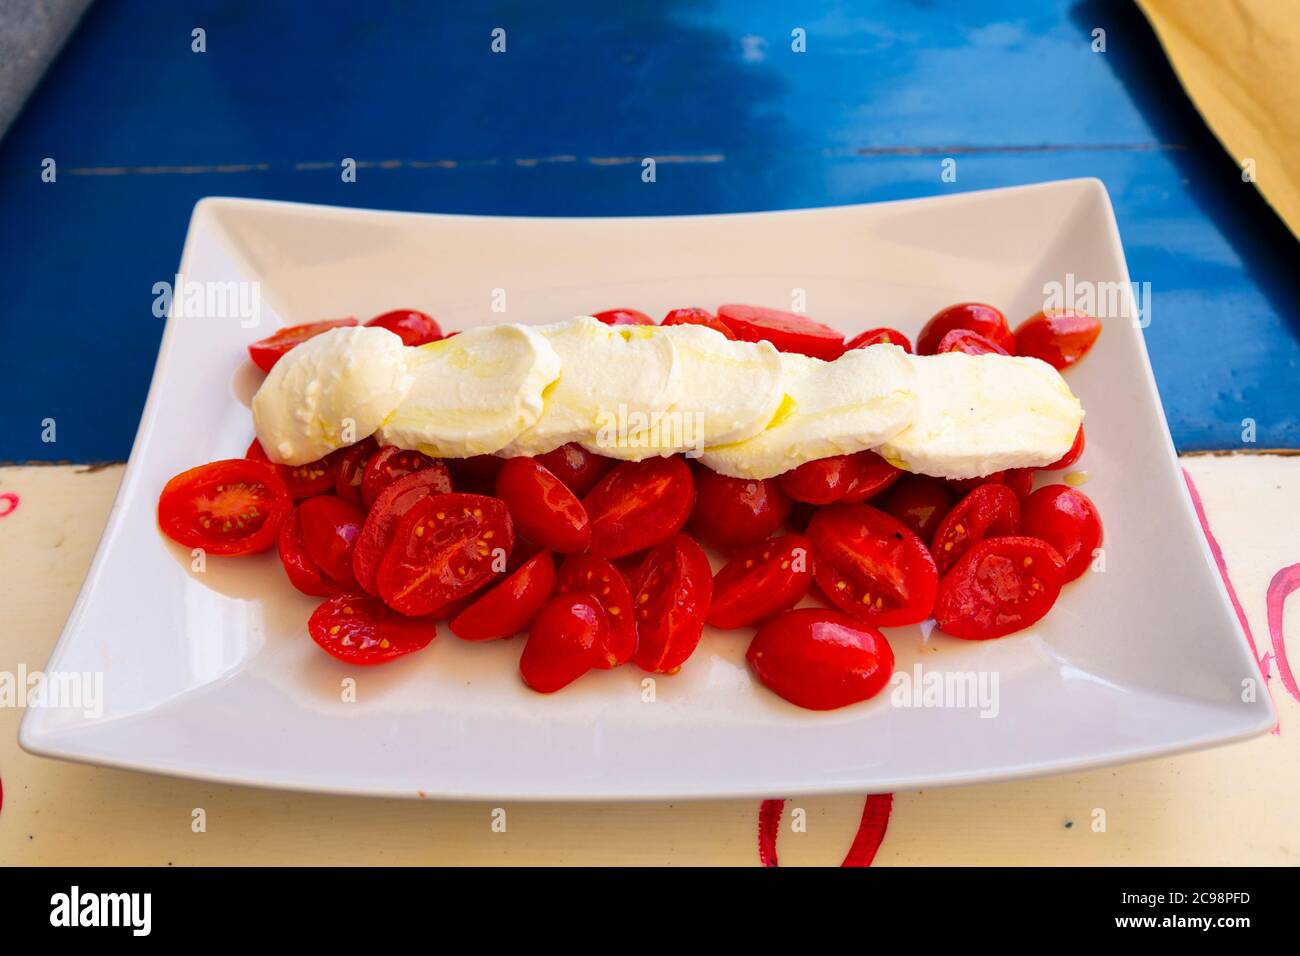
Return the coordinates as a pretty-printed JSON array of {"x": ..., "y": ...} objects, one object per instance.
[{"x": 1239, "y": 60}]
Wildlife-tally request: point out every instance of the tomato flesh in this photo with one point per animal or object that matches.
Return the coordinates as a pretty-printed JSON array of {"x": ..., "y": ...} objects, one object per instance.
[
  {"x": 1059, "y": 338},
  {"x": 229, "y": 507},
  {"x": 414, "y": 328},
  {"x": 624, "y": 317},
  {"x": 360, "y": 629},
  {"x": 672, "y": 595},
  {"x": 762, "y": 580},
  {"x": 596, "y": 577},
  {"x": 639, "y": 504},
  {"x": 544, "y": 510},
  {"x": 510, "y": 606},
  {"x": 1067, "y": 520},
  {"x": 882, "y": 336},
  {"x": 565, "y": 641},
  {"x": 999, "y": 586},
  {"x": 969, "y": 342},
  {"x": 698, "y": 317},
  {"x": 920, "y": 502},
  {"x": 853, "y": 478},
  {"x": 820, "y": 659},
  {"x": 389, "y": 464},
  {"x": 330, "y": 527},
  {"x": 578, "y": 468},
  {"x": 730, "y": 512},
  {"x": 303, "y": 481},
  {"x": 381, "y": 523},
  {"x": 303, "y": 571},
  {"x": 352, "y": 468},
  {"x": 991, "y": 510},
  {"x": 788, "y": 331},
  {"x": 975, "y": 316},
  {"x": 266, "y": 352}
]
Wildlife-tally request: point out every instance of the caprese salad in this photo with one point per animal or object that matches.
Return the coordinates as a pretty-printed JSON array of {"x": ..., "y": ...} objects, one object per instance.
[{"x": 565, "y": 480}]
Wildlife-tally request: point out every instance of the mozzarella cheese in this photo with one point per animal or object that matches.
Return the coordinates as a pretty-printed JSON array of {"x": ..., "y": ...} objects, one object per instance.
[
  {"x": 852, "y": 404},
  {"x": 332, "y": 390},
  {"x": 978, "y": 414}
]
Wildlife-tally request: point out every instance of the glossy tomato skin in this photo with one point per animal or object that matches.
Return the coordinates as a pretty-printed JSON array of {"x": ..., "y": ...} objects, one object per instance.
[
  {"x": 761, "y": 580},
  {"x": 882, "y": 336},
  {"x": 639, "y": 504},
  {"x": 969, "y": 342},
  {"x": 671, "y": 597},
  {"x": 991, "y": 510},
  {"x": 788, "y": 331},
  {"x": 920, "y": 502},
  {"x": 872, "y": 475},
  {"x": 976, "y": 316},
  {"x": 444, "y": 547},
  {"x": 352, "y": 468},
  {"x": 1067, "y": 520},
  {"x": 413, "y": 327},
  {"x": 578, "y": 468},
  {"x": 1060, "y": 337},
  {"x": 565, "y": 642},
  {"x": 999, "y": 586},
  {"x": 389, "y": 463},
  {"x": 871, "y": 566},
  {"x": 599, "y": 579},
  {"x": 360, "y": 629},
  {"x": 1019, "y": 480},
  {"x": 820, "y": 659},
  {"x": 510, "y": 606},
  {"x": 730, "y": 512},
  {"x": 382, "y": 520},
  {"x": 544, "y": 510},
  {"x": 624, "y": 317},
  {"x": 303, "y": 481},
  {"x": 854, "y": 478},
  {"x": 330, "y": 528},
  {"x": 230, "y": 507},
  {"x": 698, "y": 317},
  {"x": 1071, "y": 456},
  {"x": 303, "y": 571},
  {"x": 266, "y": 352}
]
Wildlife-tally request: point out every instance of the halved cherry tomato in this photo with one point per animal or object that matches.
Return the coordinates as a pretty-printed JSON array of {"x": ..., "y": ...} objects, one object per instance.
[
  {"x": 624, "y": 317},
  {"x": 352, "y": 468},
  {"x": 588, "y": 574},
  {"x": 1001, "y": 585},
  {"x": 730, "y": 512},
  {"x": 697, "y": 317},
  {"x": 852, "y": 478},
  {"x": 1068, "y": 521},
  {"x": 872, "y": 566},
  {"x": 304, "y": 572},
  {"x": 788, "y": 331},
  {"x": 544, "y": 511},
  {"x": 1059, "y": 338},
  {"x": 303, "y": 481},
  {"x": 671, "y": 596},
  {"x": 1019, "y": 480},
  {"x": 381, "y": 523},
  {"x": 359, "y": 629},
  {"x": 763, "y": 579},
  {"x": 969, "y": 342},
  {"x": 444, "y": 547},
  {"x": 872, "y": 475},
  {"x": 266, "y": 352},
  {"x": 229, "y": 507},
  {"x": 389, "y": 463},
  {"x": 330, "y": 527},
  {"x": 820, "y": 659},
  {"x": 878, "y": 337},
  {"x": 565, "y": 641},
  {"x": 920, "y": 502},
  {"x": 415, "y": 328},
  {"x": 507, "y": 608},
  {"x": 578, "y": 468},
  {"x": 1071, "y": 456},
  {"x": 964, "y": 486},
  {"x": 990, "y": 511},
  {"x": 638, "y": 504},
  {"x": 976, "y": 316}
]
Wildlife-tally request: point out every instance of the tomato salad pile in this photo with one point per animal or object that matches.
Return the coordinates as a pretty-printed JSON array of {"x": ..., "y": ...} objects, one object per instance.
[{"x": 601, "y": 563}]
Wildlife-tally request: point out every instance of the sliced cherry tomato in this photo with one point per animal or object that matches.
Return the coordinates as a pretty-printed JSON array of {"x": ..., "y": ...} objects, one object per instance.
[
  {"x": 1059, "y": 338},
  {"x": 730, "y": 512},
  {"x": 976, "y": 316},
  {"x": 820, "y": 659},
  {"x": 304, "y": 572},
  {"x": 964, "y": 486},
  {"x": 920, "y": 502},
  {"x": 969, "y": 342},
  {"x": 671, "y": 597},
  {"x": 544, "y": 511},
  {"x": 266, "y": 352},
  {"x": 578, "y": 468},
  {"x": 352, "y": 468},
  {"x": 566, "y": 640},
  {"x": 359, "y": 629},
  {"x": 879, "y": 337},
  {"x": 588, "y": 574},
  {"x": 990, "y": 511},
  {"x": 1071, "y": 456},
  {"x": 1068, "y": 521},
  {"x": 414, "y": 328},
  {"x": 381, "y": 523},
  {"x": 763, "y": 579},
  {"x": 330, "y": 527},
  {"x": 389, "y": 463},
  {"x": 872, "y": 566},
  {"x": 697, "y": 317},
  {"x": 444, "y": 547},
  {"x": 788, "y": 331},
  {"x": 510, "y": 606},
  {"x": 624, "y": 317},
  {"x": 229, "y": 507},
  {"x": 871, "y": 476},
  {"x": 999, "y": 586},
  {"x": 853, "y": 478},
  {"x": 638, "y": 504},
  {"x": 1019, "y": 480},
  {"x": 303, "y": 481}
]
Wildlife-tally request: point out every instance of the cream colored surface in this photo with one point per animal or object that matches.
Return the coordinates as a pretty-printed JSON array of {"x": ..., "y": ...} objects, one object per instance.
[{"x": 1235, "y": 805}]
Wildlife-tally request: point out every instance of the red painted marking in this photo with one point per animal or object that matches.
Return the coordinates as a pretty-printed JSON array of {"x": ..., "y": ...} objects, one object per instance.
[
  {"x": 1283, "y": 583},
  {"x": 769, "y": 822},
  {"x": 8, "y": 504},
  {"x": 871, "y": 831}
]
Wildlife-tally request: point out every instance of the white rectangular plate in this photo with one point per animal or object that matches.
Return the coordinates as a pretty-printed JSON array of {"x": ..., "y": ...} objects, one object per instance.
[{"x": 212, "y": 675}]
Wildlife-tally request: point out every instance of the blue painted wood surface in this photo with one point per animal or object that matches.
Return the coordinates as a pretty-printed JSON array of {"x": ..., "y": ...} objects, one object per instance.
[{"x": 142, "y": 127}]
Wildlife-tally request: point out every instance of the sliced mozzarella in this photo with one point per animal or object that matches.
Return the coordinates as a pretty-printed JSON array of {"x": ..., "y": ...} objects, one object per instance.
[
  {"x": 978, "y": 414},
  {"x": 473, "y": 393},
  {"x": 334, "y": 389},
  {"x": 854, "y": 403}
]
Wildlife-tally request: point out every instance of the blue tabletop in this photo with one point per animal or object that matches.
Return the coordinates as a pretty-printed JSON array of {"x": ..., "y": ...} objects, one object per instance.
[{"x": 141, "y": 127}]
